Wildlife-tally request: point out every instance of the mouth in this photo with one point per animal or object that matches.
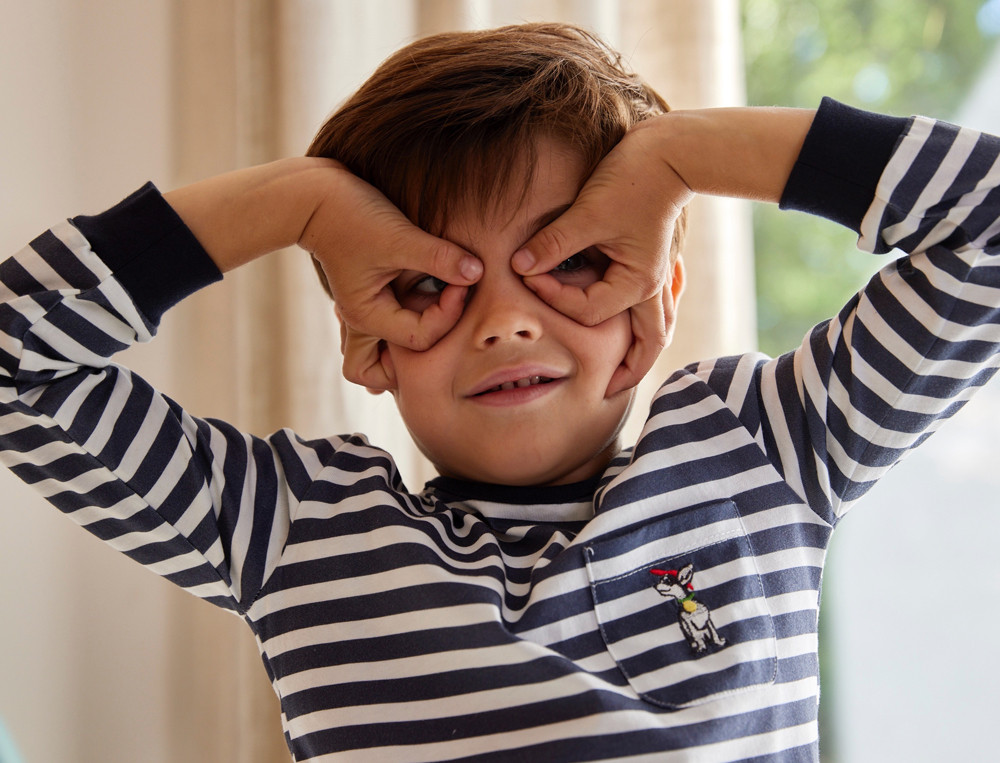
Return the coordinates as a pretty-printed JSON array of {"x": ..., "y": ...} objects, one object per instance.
[
  {"x": 527, "y": 381},
  {"x": 517, "y": 385}
]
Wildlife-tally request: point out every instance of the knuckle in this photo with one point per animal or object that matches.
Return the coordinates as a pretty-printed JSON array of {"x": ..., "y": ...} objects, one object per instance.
[
  {"x": 420, "y": 343},
  {"x": 591, "y": 315},
  {"x": 422, "y": 336},
  {"x": 442, "y": 260},
  {"x": 647, "y": 285},
  {"x": 551, "y": 242},
  {"x": 352, "y": 373}
]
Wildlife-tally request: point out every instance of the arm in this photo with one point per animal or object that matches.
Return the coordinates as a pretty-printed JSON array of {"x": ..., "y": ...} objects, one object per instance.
[
  {"x": 870, "y": 384},
  {"x": 925, "y": 333},
  {"x": 360, "y": 239},
  {"x": 92, "y": 438},
  {"x": 196, "y": 500},
  {"x": 742, "y": 152},
  {"x": 902, "y": 356}
]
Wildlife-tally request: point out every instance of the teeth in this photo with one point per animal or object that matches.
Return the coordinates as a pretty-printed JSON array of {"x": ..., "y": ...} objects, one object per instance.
[{"x": 527, "y": 381}]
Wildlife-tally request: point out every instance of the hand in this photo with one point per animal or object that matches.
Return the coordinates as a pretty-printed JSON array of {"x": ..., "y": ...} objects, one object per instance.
[
  {"x": 628, "y": 209},
  {"x": 363, "y": 243},
  {"x": 652, "y": 329},
  {"x": 361, "y": 240}
]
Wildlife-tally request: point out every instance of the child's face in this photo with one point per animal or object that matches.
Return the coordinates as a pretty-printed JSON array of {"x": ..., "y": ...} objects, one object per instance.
[{"x": 515, "y": 393}]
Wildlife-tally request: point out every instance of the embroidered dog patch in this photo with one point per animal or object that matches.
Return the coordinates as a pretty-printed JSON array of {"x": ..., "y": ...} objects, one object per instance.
[{"x": 694, "y": 617}]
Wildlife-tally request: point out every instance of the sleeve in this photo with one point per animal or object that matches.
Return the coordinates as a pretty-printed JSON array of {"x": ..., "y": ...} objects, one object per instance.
[
  {"x": 906, "y": 352},
  {"x": 196, "y": 501}
]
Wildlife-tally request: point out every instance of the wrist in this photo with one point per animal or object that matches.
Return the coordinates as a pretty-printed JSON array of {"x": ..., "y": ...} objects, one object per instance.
[
  {"x": 742, "y": 152},
  {"x": 242, "y": 215}
]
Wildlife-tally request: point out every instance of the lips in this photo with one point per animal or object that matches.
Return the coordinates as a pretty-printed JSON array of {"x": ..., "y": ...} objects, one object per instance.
[
  {"x": 518, "y": 379},
  {"x": 526, "y": 381}
]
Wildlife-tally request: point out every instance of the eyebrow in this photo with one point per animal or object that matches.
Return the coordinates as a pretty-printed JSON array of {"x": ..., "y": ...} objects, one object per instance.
[{"x": 544, "y": 219}]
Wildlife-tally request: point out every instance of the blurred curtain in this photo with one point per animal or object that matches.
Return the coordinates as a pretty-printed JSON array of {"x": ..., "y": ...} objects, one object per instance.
[{"x": 251, "y": 81}]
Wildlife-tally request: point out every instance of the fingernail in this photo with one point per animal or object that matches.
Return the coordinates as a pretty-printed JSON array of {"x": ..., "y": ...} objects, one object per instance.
[
  {"x": 523, "y": 260},
  {"x": 471, "y": 268}
]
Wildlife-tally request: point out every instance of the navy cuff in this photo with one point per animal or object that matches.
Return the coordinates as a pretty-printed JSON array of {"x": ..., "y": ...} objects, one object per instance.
[
  {"x": 842, "y": 159},
  {"x": 152, "y": 253}
]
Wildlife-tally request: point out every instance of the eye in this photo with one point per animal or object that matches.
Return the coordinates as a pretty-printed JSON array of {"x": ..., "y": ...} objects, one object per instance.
[
  {"x": 572, "y": 264},
  {"x": 582, "y": 269},
  {"x": 417, "y": 291},
  {"x": 429, "y": 286}
]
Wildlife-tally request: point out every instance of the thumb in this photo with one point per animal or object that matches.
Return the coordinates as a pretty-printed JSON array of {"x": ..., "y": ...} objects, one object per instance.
[
  {"x": 438, "y": 257},
  {"x": 562, "y": 238}
]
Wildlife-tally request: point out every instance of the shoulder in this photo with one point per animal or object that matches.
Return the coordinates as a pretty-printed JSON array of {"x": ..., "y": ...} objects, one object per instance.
[
  {"x": 727, "y": 379},
  {"x": 333, "y": 468},
  {"x": 707, "y": 398}
]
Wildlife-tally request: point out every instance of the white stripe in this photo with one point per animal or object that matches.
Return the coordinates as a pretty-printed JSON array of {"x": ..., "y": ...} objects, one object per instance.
[
  {"x": 613, "y": 724},
  {"x": 138, "y": 450},
  {"x": 422, "y": 665},
  {"x": 406, "y": 622},
  {"x": 640, "y": 557},
  {"x": 101, "y": 434},
  {"x": 75, "y": 241},
  {"x": 902, "y": 159}
]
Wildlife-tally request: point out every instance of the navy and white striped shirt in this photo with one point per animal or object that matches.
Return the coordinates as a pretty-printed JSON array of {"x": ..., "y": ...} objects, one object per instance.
[{"x": 666, "y": 610}]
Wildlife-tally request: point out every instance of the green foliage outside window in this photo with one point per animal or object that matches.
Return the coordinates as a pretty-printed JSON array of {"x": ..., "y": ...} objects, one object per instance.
[
  {"x": 898, "y": 57},
  {"x": 893, "y": 56}
]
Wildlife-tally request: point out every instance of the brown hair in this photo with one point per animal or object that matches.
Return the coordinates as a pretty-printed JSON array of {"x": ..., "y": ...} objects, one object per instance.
[{"x": 449, "y": 118}]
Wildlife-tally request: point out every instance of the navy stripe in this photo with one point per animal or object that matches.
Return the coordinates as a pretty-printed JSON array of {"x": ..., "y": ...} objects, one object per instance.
[
  {"x": 15, "y": 277},
  {"x": 509, "y": 720},
  {"x": 127, "y": 424},
  {"x": 446, "y": 683},
  {"x": 920, "y": 173},
  {"x": 62, "y": 260},
  {"x": 416, "y": 643},
  {"x": 142, "y": 230},
  {"x": 32, "y": 436}
]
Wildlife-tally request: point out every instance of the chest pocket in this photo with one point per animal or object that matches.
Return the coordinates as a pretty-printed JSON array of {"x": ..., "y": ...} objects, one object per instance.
[{"x": 682, "y": 609}]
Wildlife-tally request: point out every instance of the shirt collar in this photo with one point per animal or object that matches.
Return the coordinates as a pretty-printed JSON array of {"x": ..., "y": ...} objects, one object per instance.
[{"x": 573, "y": 502}]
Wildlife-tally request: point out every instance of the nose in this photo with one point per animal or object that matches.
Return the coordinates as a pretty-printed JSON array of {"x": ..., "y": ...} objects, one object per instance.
[{"x": 504, "y": 310}]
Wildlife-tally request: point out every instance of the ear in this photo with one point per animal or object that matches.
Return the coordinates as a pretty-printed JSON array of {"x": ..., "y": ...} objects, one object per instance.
[
  {"x": 685, "y": 573},
  {"x": 366, "y": 360},
  {"x": 672, "y": 293}
]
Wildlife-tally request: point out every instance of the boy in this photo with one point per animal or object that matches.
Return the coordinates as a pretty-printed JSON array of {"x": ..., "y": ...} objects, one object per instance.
[{"x": 550, "y": 596}]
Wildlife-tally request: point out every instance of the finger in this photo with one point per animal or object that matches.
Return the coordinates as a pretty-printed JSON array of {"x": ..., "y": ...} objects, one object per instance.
[
  {"x": 386, "y": 319},
  {"x": 362, "y": 360},
  {"x": 418, "y": 250},
  {"x": 649, "y": 337},
  {"x": 362, "y": 351},
  {"x": 621, "y": 288},
  {"x": 571, "y": 232}
]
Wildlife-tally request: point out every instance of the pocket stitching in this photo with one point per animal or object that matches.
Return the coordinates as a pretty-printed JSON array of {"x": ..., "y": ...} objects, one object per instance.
[
  {"x": 765, "y": 605},
  {"x": 708, "y": 542}
]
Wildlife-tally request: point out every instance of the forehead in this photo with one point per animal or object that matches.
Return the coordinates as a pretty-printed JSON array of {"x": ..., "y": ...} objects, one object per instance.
[{"x": 533, "y": 196}]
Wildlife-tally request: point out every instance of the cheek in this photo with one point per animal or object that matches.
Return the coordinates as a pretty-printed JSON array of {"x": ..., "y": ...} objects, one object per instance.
[
  {"x": 418, "y": 375},
  {"x": 606, "y": 344}
]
